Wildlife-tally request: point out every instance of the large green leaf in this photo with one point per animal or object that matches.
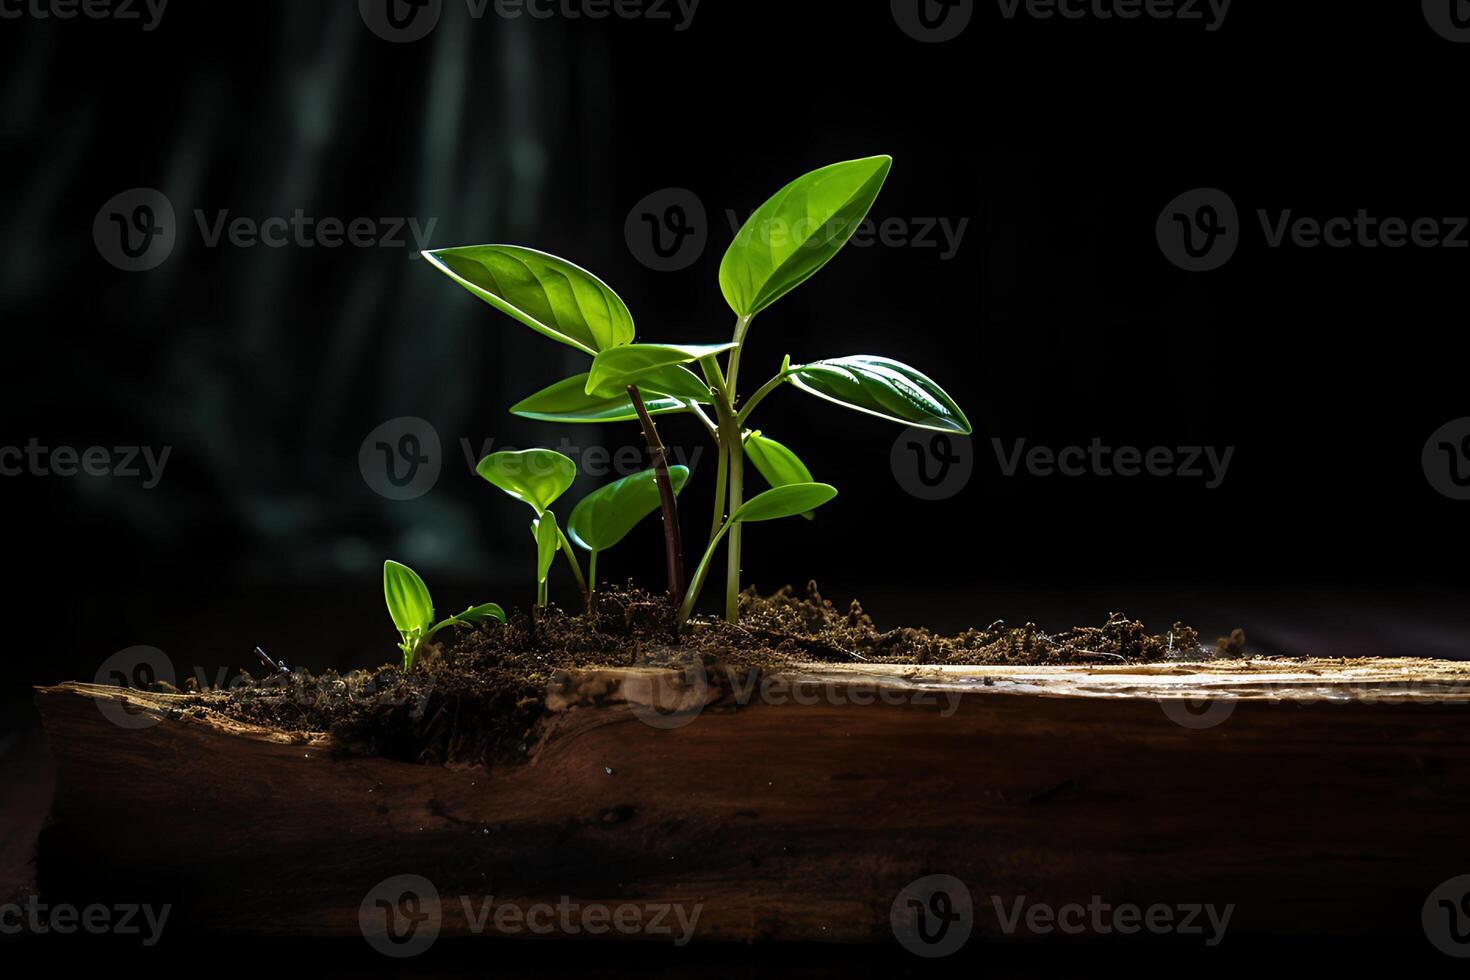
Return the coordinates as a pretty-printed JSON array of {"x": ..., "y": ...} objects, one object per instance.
[
  {"x": 787, "y": 501},
  {"x": 659, "y": 367},
  {"x": 604, "y": 517},
  {"x": 568, "y": 401},
  {"x": 537, "y": 476},
  {"x": 779, "y": 465},
  {"x": 550, "y": 295},
  {"x": 798, "y": 231},
  {"x": 408, "y": 598},
  {"x": 548, "y": 542},
  {"x": 882, "y": 387}
]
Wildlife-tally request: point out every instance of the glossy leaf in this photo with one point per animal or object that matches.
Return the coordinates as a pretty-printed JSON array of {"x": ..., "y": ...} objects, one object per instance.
[
  {"x": 882, "y": 387},
  {"x": 657, "y": 366},
  {"x": 548, "y": 542},
  {"x": 606, "y": 516},
  {"x": 480, "y": 614},
  {"x": 407, "y": 597},
  {"x": 568, "y": 401},
  {"x": 537, "y": 476},
  {"x": 788, "y": 501},
  {"x": 778, "y": 465},
  {"x": 798, "y": 231},
  {"x": 550, "y": 295}
]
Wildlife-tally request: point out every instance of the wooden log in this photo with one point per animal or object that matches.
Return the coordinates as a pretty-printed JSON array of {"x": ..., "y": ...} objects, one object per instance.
[{"x": 1320, "y": 796}]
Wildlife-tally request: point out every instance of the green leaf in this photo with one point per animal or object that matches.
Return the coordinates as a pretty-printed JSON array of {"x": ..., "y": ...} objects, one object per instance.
[
  {"x": 798, "y": 231},
  {"x": 659, "y": 366},
  {"x": 568, "y": 401},
  {"x": 882, "y": 387},
  {"x": 537, "y": 476},
  {"x": 548, "y": 542},
  {"x": 550, "y": 295},
  {"x": 780, "y": 466},
  {"x": 787, "y": 501},
  {"x": 479, "y": 614},
  {"x": 408, "y": 598},
  {"x": 604, "y": 517}
]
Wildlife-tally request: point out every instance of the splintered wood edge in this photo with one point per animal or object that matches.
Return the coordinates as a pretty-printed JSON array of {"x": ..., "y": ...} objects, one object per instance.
[{"x": 1406, "y": 679}]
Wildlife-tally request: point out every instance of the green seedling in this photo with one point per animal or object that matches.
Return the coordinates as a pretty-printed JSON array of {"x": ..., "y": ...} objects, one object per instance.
[
  {"x": 413, "y": 611},
  {"x": 785, "y": 242},
  {"x": 538, "y": 478},
  {"x": 606, "y": 516}
]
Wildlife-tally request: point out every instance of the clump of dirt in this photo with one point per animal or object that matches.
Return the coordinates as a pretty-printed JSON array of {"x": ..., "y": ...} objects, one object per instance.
[{"x": 477, "y": 699}]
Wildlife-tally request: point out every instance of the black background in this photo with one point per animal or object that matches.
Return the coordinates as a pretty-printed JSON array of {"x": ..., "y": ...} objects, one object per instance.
[{"x": 1058, "y": 320}]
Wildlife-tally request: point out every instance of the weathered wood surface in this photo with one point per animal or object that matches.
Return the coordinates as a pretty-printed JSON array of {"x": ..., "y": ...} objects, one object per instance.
[{"x": 1325, "y": 796}]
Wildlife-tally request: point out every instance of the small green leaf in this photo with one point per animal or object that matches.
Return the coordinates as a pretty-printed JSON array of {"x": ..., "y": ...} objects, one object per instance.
[
  {"x": 659, "y": 366},
  {"x": 882, "y": 387},
  {"x": 780, "y": 466},
  {"x": 548, "y": 542},
  {"x": 787, "y": 501},
  {"x": 604, "y": 517},
  {"x": 537, "y": 476},
  {"x": 479, "y": 614},
  {"x": 798, "y": 231},
  {"x": 408, "y": 598},
  {"x": 568, "y": 401},
  {"x": 550, "y": 295}
]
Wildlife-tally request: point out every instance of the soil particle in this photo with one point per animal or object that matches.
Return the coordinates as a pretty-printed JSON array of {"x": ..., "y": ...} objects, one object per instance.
[{"x": 477, "y": 698}]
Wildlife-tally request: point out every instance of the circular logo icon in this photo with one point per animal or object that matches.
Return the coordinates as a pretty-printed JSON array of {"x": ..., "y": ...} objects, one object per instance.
[
  {"x": 932, "y": 465},
  {"x": 667, "y": 230},
  {"x": 668, "y": 698},
  {"x": 1446, "y": 459},
  {"x": 401, "y": 21},
  {"x": 1446, "y": 917},
  {"x": 137, "y": 669},
  {"x": 1197, "y": 714},
  {"x": 401, "y": 458},
  {"x": 135, "y": 231},
  {"x": 933, "y": 916},
  {"x": 933, "y": 21},
  {"x": 1449, "y": 18},
  {"x": 1199, "y": 230},
  {"x": 401, "y": 916}
]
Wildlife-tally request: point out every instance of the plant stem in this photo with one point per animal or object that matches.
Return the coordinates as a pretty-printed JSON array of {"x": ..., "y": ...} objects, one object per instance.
[
  {"x": 742, "y": 326},
  {"x": 764, "y": 390},
  {"x": 571, "y": 553},
  {"x": 591, "y": 577},
  {"x": 673, "y": 539},
  {"x": 735, "y": 451},
  {"x": 702, "y": 572}
]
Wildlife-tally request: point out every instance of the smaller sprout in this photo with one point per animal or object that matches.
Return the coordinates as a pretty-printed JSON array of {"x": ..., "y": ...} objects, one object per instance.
[{"x": 413, "y": 611}]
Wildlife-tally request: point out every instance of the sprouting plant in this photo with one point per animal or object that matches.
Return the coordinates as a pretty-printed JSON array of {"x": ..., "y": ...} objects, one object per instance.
[
  {"x": 413, "y": 611},
  {"x": 538, "y": 478},
  {"x": 785, "y": 242},
  {"x": 604, "y": 517}
]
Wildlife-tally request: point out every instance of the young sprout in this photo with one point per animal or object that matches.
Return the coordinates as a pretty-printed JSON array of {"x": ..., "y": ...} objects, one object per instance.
[
  {"x": 538, "y": 478},
  {"x": 786, "y": 241},
  {"x": 605, "y": 517},
  {"x": 413, "y": 611}
]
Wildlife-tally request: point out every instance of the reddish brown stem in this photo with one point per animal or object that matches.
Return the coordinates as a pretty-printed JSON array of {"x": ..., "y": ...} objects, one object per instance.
[{"x": 673, "y": 539}]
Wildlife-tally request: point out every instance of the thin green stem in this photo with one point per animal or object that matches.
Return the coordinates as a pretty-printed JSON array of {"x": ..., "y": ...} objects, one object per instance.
[
  {"x": 735, "y": 451},
  {"x": 742, "y": 327},
  {"x": 761, "y": 394},
  {"x": 591, "y": 576},
  {"x": 571, "y": 553},
  {"x": 704, "y": 420},
  {"x": 701, "y": 573}
]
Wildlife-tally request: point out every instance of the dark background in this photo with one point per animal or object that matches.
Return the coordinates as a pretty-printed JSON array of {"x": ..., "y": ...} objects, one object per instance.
[{"x": 1058, "y": 320}]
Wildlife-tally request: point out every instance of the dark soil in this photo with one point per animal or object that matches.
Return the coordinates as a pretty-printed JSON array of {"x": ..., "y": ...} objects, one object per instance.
[{"x": 478, "y": 698}]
